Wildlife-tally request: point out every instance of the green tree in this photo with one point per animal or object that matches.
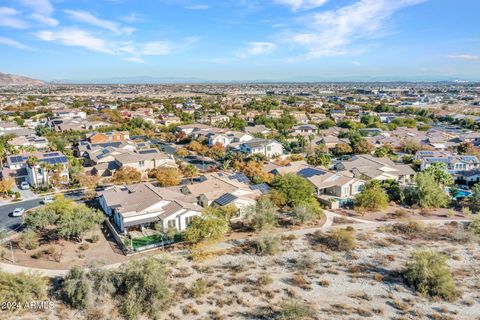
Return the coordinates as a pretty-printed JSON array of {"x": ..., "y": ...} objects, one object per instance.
[
  {"x": 426, "y": 193},
  {"x": 319, "y": 159},
  {"x": 363, "y": 147},
  {"x": 326, "y": 124},
  {"x": 307, "y": 211},
  {"x": 264, "y": 215},
  {"x": 372, "y": 198},
  {"x": 440, "y": 173},
  {"x": 295, "y": 187},
  {"x": 428, "y": 273},
  {"x": 342, "y": 149},
  {"x": 206, "y": 227},
  {"x": 75, "y": 223}
]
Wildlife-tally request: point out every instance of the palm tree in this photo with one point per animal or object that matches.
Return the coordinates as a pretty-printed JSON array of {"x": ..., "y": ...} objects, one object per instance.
[
  {"x": 310, "y": 139},
  {"x": 32, "y": 162}
]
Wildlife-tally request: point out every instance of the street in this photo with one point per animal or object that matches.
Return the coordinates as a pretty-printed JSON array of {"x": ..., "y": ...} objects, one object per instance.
[{"x": 9, "y": 223}]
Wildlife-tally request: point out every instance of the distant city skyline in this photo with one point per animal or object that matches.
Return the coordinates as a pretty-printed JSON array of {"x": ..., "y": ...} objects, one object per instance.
[{"x": 241, "y": 40}]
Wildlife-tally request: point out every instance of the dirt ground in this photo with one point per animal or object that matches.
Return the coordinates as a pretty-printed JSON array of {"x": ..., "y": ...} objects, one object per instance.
[
  {"x": 363, "y": 283},
  {"x": 398, "y": 212},
  {"x": 63, "y": 254}
]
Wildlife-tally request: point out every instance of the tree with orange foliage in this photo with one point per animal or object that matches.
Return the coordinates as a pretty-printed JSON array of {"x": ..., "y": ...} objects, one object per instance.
[{"x": 254, "y": 170}]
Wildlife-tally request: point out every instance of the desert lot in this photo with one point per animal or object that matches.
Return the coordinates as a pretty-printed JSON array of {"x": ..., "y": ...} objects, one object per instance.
[{"x": 324, "y": 282}]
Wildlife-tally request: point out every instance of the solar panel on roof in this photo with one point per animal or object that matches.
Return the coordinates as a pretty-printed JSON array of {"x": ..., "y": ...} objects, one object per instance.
[
  {"x": 53, "y": 154},
  {"x": 240, "y": 177},
  {"x": 149, "y": 151},
  {"x": 16, "y": 159},
  {"x": 310, "y": 172},
  {"x": 225, "y": 199},
  {"x": 264, "y": 188}
]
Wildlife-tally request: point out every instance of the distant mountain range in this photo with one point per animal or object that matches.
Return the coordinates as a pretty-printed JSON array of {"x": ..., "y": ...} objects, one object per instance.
[{"x": 15, "y": 80}]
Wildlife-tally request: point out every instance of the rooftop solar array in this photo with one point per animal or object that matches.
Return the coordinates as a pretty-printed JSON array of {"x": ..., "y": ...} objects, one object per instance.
[
  {"x": 55, "y": 160},
  {"x": 17, "y": 159},
  {"x": 225, "y": 199},
  {"x": 53, "y": 154},
  {"x": 310, "y": 172},
  {"x": 263, "y": 187},
  {"x": 148, "y": 151},
  {"x": 240, "y": 177}
]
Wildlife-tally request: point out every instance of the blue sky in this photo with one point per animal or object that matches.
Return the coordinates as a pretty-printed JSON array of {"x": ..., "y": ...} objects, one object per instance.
[{"x": 284, "y": 40}]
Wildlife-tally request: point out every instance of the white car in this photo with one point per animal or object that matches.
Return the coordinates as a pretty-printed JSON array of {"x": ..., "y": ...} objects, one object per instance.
[
  {"x": 24, "y": 185},
  {"x": 18, "y": 212},
  {"x": 47, "y": 200}
]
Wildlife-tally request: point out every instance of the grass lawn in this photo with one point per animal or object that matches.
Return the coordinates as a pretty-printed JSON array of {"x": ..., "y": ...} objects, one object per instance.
[{"x": 145, "y": 241}]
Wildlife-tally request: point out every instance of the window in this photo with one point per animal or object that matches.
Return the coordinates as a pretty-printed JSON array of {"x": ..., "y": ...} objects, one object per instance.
[
  {"x": 269, "y": 148},
  {"x": 188, "y": 220},
  {"x": 172, "y": 223},
  {"x": 141, "y": 164}
]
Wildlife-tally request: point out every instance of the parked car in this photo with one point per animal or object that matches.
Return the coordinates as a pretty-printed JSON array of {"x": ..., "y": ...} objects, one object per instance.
[
  {"x": 24, "y": 185},
  {"x": 18, "y": 212},
  {"x": 47, "y": 200}
]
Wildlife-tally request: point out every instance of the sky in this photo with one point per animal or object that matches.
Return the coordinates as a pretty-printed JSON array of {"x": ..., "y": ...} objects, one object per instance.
[{"x": 274, "y": 40}]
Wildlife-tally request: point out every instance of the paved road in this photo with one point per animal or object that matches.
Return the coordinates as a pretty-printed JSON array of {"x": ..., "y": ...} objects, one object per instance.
[{"x": 10, "y": 223}]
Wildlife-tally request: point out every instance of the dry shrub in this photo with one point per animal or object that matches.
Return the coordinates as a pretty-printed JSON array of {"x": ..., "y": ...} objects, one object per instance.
[
  {"x": 301, "y": 282},
  {"x": 336, "y": 240}
]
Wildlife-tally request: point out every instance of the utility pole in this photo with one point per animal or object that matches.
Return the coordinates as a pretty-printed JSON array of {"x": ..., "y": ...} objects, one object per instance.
[{"x": 11, "y": 250}]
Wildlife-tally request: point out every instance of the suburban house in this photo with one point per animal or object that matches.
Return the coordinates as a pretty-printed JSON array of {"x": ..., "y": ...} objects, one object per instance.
[
  {"x": 47, "y": 164},
  {"x": 32, "y": 141},
  {"x": 269, "y": 148},
  {"x": 9, "y": 126},
  {"x": 112, "y": 136},
  {"x": 336, "y": 189},
  {"x": 222, "y": 189},
  {"x": 367, "y": 167},
  {"x": 464, "y": 168},
  {"x": 143, "y": 205},
  {"x": 106, "y": 161},
  {"x": 304, "y": 130},
  {"x": 258, "y": 130},
  {"x": 226, "y": 139}
]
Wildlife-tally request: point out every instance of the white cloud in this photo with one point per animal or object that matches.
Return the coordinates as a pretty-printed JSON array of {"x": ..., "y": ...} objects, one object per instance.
[
  {"x": 296, "y": 5},
  {"x": 257, "y": 48},
  {"x": 135, "y": 59},
  {"x": 199, "y": 6},
  {"x": 42, "y": 11},
  {"x": 88, "y": 18},
  {"x": 470, "y": 57},
  {"x": 44, "y": 19},
  {"x": 76, "y": 37},
  {"x": 42, "y": 7},
  {"x": 9, "y": 18},
  {"x": 155, "y": 48},
  {"x": 13, "y": 43},
  {"x": 330, "y": 33}
]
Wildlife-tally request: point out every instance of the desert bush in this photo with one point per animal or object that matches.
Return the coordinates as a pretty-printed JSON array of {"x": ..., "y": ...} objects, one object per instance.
[
  {"x": 95, "y": 238},
  {"x": 409, "y": 228},
  {"x": 143, "y": 287},
  {"x": 337, "y": 240},
  {"x": 22, "y": 287},
  {"x": 294, "y": 310},
  {"x": 268, "y": 245},
  {"x": 305, "y": 262},
  {"x": 428, "y": 273},
  {"x": 474, "y": 226},
  {"x": 198, "y": 288},
  {"x": 77, "y": 288},
  {"x": 84, "y": 246},
  {"x": 264, "y": 280},
  {"x": 29, "y": 239}
]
